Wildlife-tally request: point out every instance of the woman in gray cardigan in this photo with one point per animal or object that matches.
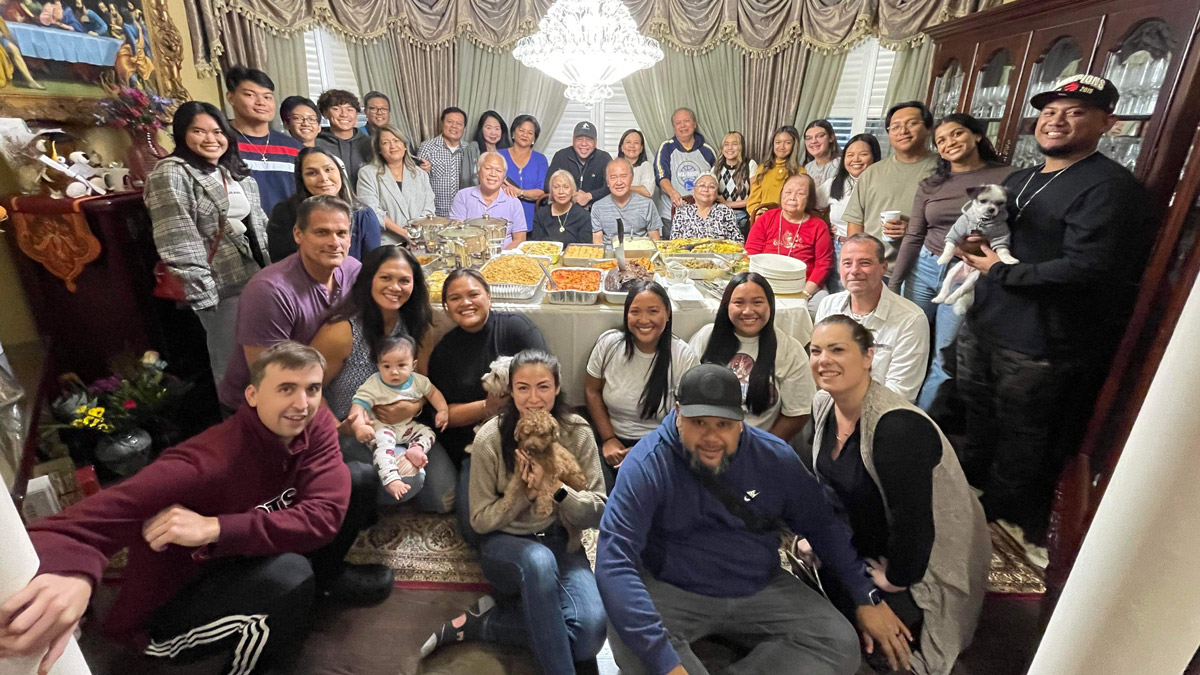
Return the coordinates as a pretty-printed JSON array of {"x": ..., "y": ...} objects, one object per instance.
[
  {"x": 209, "y": 227},
  {"x": 915, "y": 520},
  {"x": 393, "y": 185}
]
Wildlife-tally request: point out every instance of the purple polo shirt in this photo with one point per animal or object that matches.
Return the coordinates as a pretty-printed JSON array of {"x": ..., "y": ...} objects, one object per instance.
[
  {"x": 468, "y": 203},
  {"x": 281, "y": 302}
]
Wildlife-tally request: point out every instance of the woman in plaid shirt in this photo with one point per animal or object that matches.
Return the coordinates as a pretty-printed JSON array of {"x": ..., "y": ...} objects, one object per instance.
[{"x": 209, "y": 227}]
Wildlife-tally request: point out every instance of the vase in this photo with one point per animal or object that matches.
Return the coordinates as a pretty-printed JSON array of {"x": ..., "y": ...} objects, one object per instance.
[
  {"x": 143, "y": 154},
  {"x": 124, "y": 452}
]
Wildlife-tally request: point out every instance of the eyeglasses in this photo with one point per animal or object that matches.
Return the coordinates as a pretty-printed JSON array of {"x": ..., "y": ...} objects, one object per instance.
[
  {"x": 307, "y": 119},
  {"x": 910, "y": 125},
  {"x": 374, "y": 109}
]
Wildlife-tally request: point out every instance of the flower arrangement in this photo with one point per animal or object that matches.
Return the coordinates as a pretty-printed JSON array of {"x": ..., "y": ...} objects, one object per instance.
[
  {"x": 134, "y": 109},
  {"x": 139, "y": 394}
]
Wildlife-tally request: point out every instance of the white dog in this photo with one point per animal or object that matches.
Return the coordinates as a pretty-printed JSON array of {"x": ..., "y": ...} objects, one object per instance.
[
  {"x": 495, "y": 380},
  {"x": 986, "y": 214}
]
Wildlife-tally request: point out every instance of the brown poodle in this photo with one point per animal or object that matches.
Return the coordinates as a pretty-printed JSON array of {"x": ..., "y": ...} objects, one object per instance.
[{"x": 537, "y": 435}]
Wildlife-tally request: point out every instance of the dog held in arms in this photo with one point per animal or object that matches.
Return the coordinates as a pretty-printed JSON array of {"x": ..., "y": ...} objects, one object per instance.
[
  {"x": 537, "y": 436},
  {"x": 985, "y": 215}
]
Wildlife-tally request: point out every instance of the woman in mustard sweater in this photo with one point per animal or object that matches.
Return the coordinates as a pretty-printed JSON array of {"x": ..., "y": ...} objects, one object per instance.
[{"x": 780, "y": 164}]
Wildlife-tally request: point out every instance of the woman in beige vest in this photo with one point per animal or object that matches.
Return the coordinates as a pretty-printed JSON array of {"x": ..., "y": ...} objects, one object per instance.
[{"x": 915, "y": 520}]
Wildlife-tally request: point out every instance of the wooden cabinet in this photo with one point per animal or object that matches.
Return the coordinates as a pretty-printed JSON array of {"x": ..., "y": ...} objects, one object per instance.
[{"x": 1148, "y": 50}]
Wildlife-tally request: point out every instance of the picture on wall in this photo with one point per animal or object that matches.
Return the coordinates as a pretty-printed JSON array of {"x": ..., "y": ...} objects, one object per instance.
[{"x": 60, "y": 58}]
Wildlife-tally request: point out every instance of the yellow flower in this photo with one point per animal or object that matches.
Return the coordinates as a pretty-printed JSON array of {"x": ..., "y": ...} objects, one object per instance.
[
  {"x": 81, "y": 409},
  {"x": 96, "y": 412},
  {"x": 106, "y": 428},
  {"x": 77, "y": 423}
]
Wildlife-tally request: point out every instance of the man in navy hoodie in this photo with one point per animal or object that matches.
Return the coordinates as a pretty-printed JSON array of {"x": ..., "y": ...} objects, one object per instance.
[
  {"x": 231, "y": 535},
  {"x": 674, "y": 564}
]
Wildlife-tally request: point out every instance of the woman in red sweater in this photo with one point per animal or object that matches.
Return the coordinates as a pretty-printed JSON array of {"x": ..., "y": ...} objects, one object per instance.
[{"x": 794, "y": 229}]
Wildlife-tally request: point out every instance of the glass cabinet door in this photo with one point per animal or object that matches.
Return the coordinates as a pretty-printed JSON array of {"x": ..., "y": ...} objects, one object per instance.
[
  {"x": 989, "y": 99},
  {"x": 947, "y": 89},
  {"x": 1138, "y": 67},
  {"x": 1062, "y": 59}
]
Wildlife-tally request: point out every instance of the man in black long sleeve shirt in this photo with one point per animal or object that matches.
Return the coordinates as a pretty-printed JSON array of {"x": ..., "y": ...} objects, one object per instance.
[
  {"x": 583, "y": 161},
  {"x": 1039, "y": 339}
]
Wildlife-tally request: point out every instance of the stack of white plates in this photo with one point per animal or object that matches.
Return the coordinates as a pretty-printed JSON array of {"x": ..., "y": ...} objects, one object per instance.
[{"x": 785, "y": 274}]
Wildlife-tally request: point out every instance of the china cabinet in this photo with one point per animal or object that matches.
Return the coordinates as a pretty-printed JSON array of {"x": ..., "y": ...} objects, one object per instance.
[{"x": 989, "y": 64}]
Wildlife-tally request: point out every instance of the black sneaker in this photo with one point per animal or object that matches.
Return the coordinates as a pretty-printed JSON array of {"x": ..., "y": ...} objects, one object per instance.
[{"x": 360, "y": 585}]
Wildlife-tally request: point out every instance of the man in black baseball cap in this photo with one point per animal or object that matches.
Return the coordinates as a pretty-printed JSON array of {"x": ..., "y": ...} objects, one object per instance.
[
  {"x": 1037, "y": 344},
  {"x": 585, "y": 162},
  {"x": 689, "y": 546}
]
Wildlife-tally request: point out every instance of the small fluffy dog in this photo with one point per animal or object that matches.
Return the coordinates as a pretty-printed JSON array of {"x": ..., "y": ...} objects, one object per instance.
[
  {"x": 986, "y": 214},
  {"x": 537, "y": 436},
  {"x": 495, "y": 381}
]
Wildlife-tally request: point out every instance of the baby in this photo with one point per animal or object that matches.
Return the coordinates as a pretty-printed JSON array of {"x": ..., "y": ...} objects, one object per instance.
[{"x": 396, "y": 381}]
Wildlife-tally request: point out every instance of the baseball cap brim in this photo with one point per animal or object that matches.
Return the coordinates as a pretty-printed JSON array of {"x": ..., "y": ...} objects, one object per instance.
[
  {"x": 1043, "y": 99},
  {"x": 707, "y": 410}
]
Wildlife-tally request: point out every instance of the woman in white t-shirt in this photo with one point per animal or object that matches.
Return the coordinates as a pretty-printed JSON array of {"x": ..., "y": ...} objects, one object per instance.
[
  {"x": 862, "y": 151},
  {"x": 777, "y": 387},
  {"x": 632, "y": 374}
]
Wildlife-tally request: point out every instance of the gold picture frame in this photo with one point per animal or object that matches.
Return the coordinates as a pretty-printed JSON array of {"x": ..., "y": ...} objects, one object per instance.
[{"x": 165, "y": 66}]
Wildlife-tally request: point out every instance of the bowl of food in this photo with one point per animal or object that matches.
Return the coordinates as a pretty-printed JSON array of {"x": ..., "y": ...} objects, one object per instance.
[
  {"x": 546, "y": 250},
  {"x": 513, "y": 277},
  {"x": 582, "y": 255},
  {"x": 704, "y": 268},
  {"x": 575, "y": 286},
  {"x": 617, "y": 282}
]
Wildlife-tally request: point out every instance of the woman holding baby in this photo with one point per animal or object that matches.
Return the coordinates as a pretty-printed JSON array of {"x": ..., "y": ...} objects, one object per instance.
[
  {"x": 528, "y": 555},
  {"x": 460, "y": 360},
  {"x": 966, "y": 159},
  {"x": 389, "y": 299}
]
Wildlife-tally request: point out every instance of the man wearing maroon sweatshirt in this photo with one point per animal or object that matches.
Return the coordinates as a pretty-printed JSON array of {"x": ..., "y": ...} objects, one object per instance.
[{"x": 231, "y": 535}]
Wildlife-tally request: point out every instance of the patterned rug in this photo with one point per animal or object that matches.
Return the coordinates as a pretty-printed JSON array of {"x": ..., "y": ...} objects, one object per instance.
[{"x": 427, "y": 553}]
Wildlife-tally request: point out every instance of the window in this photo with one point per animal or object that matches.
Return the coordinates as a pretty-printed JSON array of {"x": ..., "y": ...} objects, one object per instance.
[
  {"x": 329, "y": 66},
  {"x": 858, "y": 105},
  {"x": 612, "y": 118}
]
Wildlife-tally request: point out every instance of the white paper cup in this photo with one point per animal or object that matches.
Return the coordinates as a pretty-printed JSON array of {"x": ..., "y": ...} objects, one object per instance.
[{"x": 885, "y": 216}]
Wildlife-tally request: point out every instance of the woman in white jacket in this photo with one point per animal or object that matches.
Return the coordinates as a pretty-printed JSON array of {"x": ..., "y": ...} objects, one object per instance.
[{"x": 393, "y": 186}]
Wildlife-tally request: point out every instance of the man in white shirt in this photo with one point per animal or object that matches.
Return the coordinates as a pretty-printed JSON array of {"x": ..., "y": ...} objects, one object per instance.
[{"x": 900, "y": 328}]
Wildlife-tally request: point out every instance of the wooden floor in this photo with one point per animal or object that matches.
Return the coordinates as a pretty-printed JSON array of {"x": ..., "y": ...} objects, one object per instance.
[{"x": 385, "y": 640}]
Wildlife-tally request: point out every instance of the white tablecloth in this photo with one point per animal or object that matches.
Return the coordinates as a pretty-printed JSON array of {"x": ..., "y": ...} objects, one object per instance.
[{"x": 571, "y": 331}]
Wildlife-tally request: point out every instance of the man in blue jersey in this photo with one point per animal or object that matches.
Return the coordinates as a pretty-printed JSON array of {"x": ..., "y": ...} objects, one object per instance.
[
  {"x": 689, "y": 548},
  {"x": 270, "y": 154},
  {"x": 679, "y": 162}
]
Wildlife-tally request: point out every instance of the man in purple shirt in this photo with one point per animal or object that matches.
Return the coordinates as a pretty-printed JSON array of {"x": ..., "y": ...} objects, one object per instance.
[
  {"x": 289, "y": 299},
  {"x": 487, "y": 199}
]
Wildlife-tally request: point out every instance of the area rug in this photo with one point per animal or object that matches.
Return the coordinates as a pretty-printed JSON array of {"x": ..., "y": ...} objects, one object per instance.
[
  {"x": 426, "y": 552},
  {"x": 1011, "y": 574}
]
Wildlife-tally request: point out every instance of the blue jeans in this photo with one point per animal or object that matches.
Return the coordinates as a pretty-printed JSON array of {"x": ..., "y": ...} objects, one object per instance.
[
  {"x": 921, "y": 286},
  {"x": 560, "y": 616}
]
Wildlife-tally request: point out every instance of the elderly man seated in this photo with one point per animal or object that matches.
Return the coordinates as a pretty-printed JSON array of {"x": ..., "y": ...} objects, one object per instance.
[
  {"x": 487, "y": 199},
  {"x": 635, "y": 211},
  {"x": 689, "y": 548},
  {"x": 900, "y": 328}
]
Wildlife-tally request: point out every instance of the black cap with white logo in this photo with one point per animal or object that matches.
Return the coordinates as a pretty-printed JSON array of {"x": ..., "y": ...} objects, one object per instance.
[
  {"x": 710, "y": 390},
  {"x": 585, "y": 129},
  {"x": 1096, "y": 91}
]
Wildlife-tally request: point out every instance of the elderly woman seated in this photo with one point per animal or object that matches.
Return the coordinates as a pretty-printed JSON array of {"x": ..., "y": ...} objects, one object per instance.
[
  {"x": 705, "y": 218},
  {"x": 562, "y": 219},
  {"x": 487, "y": 199}
]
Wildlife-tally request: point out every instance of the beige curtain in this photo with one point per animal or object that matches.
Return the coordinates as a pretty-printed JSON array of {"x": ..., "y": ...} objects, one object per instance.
[
  {"x": 494, "y": 80},
  {"x": 287, "y": 64},
  {"x": 419, "y": 80},
  {"x": 764, "y": 26},
  {"x": 821, "y": 75},
  {"x": 772, "y": 92},
  {"x": 376, "y": 69},
  {"x": 709, "y": 83},
  {"x": 910, "y": 74}
]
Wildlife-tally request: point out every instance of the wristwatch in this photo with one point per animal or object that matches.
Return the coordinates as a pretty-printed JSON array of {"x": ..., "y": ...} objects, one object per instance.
[
  {"x": 876, "y": 596},
  {"x": 560, "y": 494}
]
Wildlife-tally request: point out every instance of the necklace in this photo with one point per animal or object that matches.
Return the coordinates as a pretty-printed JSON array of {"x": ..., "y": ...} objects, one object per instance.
[
  {"x": 262, "y": 150},
  {"x": 1037, "y": 192},
  {"x": 779, "y": 238}
]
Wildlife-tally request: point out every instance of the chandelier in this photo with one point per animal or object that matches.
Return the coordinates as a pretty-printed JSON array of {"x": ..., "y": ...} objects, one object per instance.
[{"x": 588, "y": 45}]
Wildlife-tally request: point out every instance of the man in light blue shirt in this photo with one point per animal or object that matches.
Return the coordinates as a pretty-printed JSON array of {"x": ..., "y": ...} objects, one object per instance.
[
  {"x": 487, "y": 199},
  {"x": 636, "y": 212}
]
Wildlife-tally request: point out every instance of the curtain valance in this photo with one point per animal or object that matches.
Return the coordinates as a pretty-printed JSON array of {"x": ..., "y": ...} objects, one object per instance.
[{"x": 757, "y": 27}]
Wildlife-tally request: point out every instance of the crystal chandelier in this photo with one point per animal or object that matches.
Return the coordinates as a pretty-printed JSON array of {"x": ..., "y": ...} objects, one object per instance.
[{"x": 588, "y": 45}]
